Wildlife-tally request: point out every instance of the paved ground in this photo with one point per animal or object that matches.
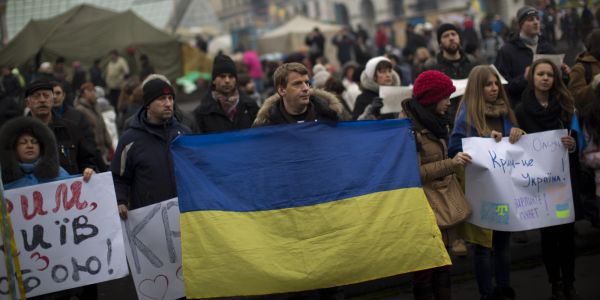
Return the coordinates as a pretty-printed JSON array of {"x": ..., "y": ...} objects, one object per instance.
[
  {"x": 528, "y": 276},
  {"x": 529, "y": 281}
]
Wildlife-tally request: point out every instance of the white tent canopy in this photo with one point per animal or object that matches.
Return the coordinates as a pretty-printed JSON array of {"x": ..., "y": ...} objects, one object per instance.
[{"x": 289, "y": 37}]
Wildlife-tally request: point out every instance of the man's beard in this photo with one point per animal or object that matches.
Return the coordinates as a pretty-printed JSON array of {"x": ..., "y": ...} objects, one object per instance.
[{"x": 451, "y": 50}]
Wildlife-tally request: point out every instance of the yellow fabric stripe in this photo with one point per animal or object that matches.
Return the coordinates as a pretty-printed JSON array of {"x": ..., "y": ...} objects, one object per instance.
[
  {"x": 293, "y": 249},
  {"x": 15, "y": 259}
]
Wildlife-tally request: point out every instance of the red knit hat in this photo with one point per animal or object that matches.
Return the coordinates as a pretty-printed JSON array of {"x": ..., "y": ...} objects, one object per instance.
[{"x": 431, "y": 87}]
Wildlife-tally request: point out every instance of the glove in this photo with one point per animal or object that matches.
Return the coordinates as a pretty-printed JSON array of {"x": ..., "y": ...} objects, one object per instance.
[{"x": 376, "y": 106}]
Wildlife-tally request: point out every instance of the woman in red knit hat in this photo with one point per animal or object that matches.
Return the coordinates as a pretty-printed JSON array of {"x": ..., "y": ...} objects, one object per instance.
[
  {"x": 485, "y": 111},
  {"x": 428, "y": 112}
]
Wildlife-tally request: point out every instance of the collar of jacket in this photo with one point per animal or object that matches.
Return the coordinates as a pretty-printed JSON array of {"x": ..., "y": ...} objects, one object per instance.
[{"x": 331, "y": 101}]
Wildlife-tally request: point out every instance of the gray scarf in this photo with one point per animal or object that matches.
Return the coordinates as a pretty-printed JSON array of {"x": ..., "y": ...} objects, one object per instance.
[{"x": 531, "y": 43}]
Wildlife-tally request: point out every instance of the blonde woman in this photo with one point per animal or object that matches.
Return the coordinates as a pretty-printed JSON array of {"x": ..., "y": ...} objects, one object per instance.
[{"x": 485, "y": 111}]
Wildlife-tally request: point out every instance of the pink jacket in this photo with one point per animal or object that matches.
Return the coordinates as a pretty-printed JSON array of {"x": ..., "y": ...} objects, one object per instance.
[
  {"x": 252, "y": 62},
  {"x": 591, "y": 157}
]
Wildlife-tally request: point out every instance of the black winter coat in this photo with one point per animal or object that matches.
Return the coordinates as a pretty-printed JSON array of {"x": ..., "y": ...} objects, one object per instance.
[
  {"x": 142, "y": 166},
  {"x": 209, "y": 117},
  {"x": 459, "y": 71},
  {"x": 512, "y": 60},
  {"x": 74, "y": 151}
]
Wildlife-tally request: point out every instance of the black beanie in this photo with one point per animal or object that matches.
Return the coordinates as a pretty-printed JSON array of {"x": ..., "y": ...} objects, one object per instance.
[
  {"x": 223, "y": 64},
  {"x": 443, "y": 28},
  {"x": 525, "y": 12},
  {"x": 155, "y": 88}
]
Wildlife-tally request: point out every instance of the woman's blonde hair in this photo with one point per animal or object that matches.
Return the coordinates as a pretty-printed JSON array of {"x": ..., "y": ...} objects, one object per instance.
[{"x": 474, "y": 100}]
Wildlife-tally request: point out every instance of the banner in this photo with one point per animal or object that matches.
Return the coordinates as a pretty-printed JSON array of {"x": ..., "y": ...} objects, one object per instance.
[
  {"x": 67, "y": 234},
  {"x": 303, "y": 206},
  {"x": 153, "y": 245},
  {"x": 521, "y": 186}
]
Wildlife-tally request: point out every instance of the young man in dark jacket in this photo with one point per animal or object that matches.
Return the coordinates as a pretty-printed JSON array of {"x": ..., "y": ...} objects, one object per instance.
[
  {"x": 451, "y": 60},
  {"x": 142, "y": 167},
  {"x": 516, "y": 54},
  {"x": 224, "y": 107},
  {"x": 295, "y": 101}
]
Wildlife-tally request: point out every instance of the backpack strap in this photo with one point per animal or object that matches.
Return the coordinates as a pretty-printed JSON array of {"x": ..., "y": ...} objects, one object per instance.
[{"x": 588, "y": 72}]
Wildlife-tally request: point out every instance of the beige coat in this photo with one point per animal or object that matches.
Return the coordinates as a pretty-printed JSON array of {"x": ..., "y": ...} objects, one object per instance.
[{"x": 439, "y": 179}]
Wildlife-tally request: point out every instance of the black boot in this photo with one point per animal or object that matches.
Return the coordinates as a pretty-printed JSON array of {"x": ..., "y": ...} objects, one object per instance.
[
  {"x": 504, "y": 293},
  {"x": 558, "y": 291},
  {"x": 570, "y": 293}
]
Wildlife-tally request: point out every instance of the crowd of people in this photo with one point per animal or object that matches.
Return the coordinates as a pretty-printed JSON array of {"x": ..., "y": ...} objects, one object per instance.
[{"x": 121, "y": 117}]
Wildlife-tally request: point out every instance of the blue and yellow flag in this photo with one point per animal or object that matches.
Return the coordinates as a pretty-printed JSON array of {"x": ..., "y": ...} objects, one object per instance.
[{"x": 300, "y": 207}]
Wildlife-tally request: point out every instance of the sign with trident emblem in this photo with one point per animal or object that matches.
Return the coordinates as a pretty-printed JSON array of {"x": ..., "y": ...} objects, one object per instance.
[{"x": 521, "y": 186}]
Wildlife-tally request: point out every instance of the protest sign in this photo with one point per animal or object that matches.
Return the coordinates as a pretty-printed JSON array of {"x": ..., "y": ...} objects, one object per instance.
[
  {"x": 153, "y": 246},
  {"x": 67, "y": 234},
  {"x": 502, "y": 79},
  {"x": 393, "y": 96},
  {"x": 461, "y": 87},
  {"x": 557, "y": 59},
  {"x": 521, "y": 186}
]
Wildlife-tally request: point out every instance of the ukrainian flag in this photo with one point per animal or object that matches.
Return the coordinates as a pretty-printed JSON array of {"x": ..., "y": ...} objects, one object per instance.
[{"x": 299, "y": 207}]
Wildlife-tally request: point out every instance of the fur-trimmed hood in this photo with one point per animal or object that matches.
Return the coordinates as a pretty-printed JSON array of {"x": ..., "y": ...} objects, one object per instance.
[
  {"x": 48, "y": 165},
  {"x": 266, "y": 110},
  {"x": 369, "y": 84}
]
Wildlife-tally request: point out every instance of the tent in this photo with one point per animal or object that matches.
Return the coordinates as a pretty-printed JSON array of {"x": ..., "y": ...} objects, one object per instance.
[
  {"x": 289, "y": 37},
  {"x": 86, "y": 33}
]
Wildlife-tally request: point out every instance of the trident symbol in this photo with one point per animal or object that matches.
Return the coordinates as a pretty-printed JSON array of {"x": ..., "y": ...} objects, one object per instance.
[{"x": 502, "y": 209}]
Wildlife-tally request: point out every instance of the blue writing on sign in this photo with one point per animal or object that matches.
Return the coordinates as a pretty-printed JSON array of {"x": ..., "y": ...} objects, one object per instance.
[
  {"x": 500, "y": 162},
  {"x": 529, "y": 214},
  {"x": 525, "y": 202},
  {"x": 543, "y": 145},
  {"x": 495, "y": 212},
  {"x": 537, "y": 181}
]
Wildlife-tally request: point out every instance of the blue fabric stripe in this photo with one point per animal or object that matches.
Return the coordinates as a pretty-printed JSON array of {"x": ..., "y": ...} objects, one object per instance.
[{"x": 286, "y": 166}]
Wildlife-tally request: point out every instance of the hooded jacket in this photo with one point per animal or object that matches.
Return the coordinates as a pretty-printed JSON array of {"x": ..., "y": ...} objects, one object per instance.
[
  {"x": 326, "y": 106},
  {"x": 47, "y": 167},
  {"x": 142, "y": 166},
  {"x": 370, "y": 91},
  {"x": 583, "y": 91}
]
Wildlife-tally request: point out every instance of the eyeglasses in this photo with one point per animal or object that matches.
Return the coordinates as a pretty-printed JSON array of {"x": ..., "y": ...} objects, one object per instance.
[{"x": 37, "y": 96}]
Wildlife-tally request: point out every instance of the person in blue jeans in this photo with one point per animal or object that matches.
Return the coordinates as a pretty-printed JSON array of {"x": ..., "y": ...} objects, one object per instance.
[{"x": 485, "y": 111}]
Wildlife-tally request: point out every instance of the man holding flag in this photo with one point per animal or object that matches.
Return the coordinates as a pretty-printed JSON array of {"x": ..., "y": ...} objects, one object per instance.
[{"x": 295, "y": 101}]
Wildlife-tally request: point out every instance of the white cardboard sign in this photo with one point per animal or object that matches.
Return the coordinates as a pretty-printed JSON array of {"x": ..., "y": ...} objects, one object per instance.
[
  {"x": 521, "y": 186},
  {"x": 153, "y": 245},
  {"x": 67, "y": 234}
]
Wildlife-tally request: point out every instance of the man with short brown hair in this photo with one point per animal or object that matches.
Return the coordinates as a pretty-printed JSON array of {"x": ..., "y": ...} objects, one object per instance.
[{"x": 295, "y": 101}]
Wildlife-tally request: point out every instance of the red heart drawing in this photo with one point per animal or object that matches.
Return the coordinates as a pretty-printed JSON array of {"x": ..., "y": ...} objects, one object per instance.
[
  {"x": 156, "y": 288},
  {"x": 179, "y": 273},
  {"x": 36, "y": 256}
]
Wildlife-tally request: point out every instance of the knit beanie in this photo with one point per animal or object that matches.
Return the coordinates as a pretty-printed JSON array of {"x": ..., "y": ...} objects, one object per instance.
[
  {"x": 431, "y": 87},
  {"x": 372, "y": 66},
  {"x": 525, "y": 12},
  {"x": 443, "y": 28},
  {"x": 223, "y": 64},
  {"x": 155, "y": 88}
]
